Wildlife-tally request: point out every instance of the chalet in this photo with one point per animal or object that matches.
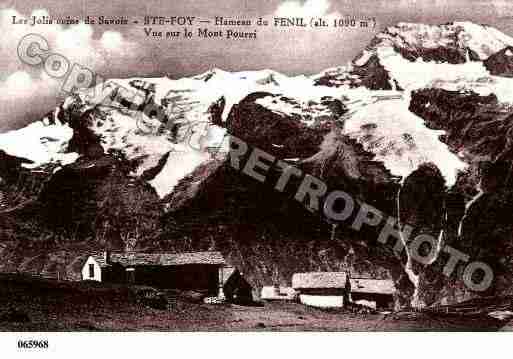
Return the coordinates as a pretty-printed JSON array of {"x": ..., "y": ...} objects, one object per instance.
[
  {"x": 236, "y": 289},
  {"x": 204, "y": 272},
  {"x": 322, "y": 289},
  {"x": 277, "y": 293},
  {"x": 375, "y": 293}
]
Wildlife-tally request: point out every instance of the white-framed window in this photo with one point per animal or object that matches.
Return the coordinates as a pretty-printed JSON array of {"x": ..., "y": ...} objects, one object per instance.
[{"x": 91, "y": 270}]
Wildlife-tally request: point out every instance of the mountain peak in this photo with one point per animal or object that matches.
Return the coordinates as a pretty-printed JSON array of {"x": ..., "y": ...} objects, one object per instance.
[{"x": 416, "y": 40}]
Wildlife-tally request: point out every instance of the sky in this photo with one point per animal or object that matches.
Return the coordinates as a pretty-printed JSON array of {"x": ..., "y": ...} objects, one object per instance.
[{"x": 26, "y": 93}]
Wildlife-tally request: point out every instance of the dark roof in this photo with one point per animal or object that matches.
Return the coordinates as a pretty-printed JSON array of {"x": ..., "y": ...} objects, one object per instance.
[
  {"x": 130, "y": 259},
  {"x": 319, "y": 280},
  {"x": 373, "y": 286}
]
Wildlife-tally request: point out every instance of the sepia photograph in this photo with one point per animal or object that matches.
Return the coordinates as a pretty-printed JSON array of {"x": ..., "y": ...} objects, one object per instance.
[{"x": 217, "y": 168}]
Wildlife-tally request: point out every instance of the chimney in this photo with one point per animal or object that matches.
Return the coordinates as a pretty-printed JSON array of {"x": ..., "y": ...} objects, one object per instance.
[{"x": 106, "y": 256}]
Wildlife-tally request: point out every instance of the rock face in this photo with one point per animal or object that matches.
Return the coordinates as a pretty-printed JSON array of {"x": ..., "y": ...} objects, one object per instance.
[
  {"x": 479, "y": 127},
  {"x": 98, "y": 199},
  {"x": 262, "y": 120},
  {"x": 370, "y": 74},
  {"x": 472, "y": 123},
  {"x": 421, "y": 206},
  {"x": 373, "y": 75},
  {"x": 501, "y": 63}
]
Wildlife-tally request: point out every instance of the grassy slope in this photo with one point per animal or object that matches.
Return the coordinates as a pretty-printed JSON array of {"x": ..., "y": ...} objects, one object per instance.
[{"x": 84, "y": 306}]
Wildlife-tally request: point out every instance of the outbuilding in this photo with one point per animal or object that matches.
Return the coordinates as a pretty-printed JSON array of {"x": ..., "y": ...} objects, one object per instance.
[
  {"x": 236, "y": 288},
  {"x": 199, "y": 271},
  {"x": 374, "y": 293},
  {"x": 322, "y": 289}
]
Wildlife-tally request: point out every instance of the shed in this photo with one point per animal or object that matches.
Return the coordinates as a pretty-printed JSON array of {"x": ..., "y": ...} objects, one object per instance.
[
  {"x": 236, "y": 288},
  {"x": 376, "y": 293},
  {"x": 322, "y": 289},
  {"x": 199, "y": 271}
]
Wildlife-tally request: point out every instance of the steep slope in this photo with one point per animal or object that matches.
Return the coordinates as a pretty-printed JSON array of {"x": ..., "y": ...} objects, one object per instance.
[
  {"x": 267, "y": 233},
  {"x": 479, "y": 128},
  {"x": 500, "y": 63}
]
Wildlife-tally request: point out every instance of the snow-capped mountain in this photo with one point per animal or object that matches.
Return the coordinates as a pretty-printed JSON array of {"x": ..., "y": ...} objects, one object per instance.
[
  {"x": 373, "y": 127},
  {"x": 414, "y": 56},
  {"x": 189, "y": 104}
]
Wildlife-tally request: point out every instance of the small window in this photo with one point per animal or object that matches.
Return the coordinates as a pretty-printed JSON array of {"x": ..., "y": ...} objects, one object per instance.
[{"x": 91, "y": 270}]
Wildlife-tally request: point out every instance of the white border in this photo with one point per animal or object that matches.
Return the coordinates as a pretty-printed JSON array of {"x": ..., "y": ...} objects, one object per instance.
[{"x": 260, "y": 345}]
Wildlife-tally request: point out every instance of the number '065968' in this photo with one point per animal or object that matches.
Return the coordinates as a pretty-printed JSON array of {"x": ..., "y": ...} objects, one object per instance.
[{"x": 33, "y": 344}]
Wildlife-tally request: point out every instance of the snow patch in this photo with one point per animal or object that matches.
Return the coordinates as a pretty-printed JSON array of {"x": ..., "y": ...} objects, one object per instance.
[
  {"x": 40, "y": 143},
  {"x": 401, "y": 139},
  {"x": 179, "y": 164},
  {"x": 421, "y": 74}
]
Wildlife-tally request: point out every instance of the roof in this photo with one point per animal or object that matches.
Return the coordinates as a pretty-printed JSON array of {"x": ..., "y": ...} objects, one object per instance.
[
  {"x": 375, "y": 286},
  {"x": 227, "y": 273},
  {"x": 130, "y": 259},
  {"x": 319, "y": 280}
]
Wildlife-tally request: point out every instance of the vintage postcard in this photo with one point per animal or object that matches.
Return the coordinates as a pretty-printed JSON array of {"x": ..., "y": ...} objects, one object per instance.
[{"x": 255, "y": 166}]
